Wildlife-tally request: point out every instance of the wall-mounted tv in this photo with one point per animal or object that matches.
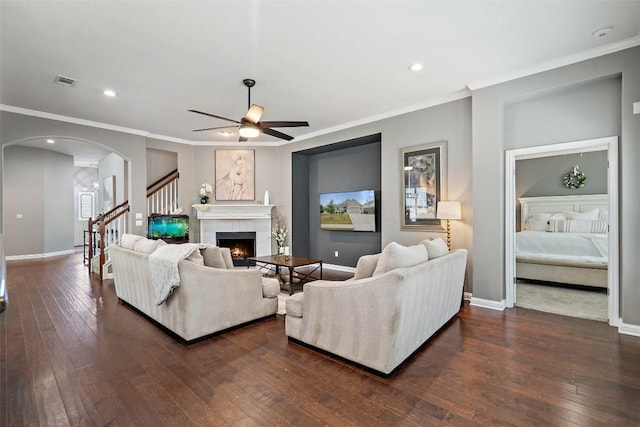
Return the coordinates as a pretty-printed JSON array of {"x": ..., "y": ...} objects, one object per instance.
[
  {"x": 348, "y": 211},
  {"x": 170, "y": 228}
]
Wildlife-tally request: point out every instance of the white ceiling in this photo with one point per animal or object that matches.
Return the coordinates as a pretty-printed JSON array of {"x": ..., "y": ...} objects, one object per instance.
[{"x": 332, "y": 63}]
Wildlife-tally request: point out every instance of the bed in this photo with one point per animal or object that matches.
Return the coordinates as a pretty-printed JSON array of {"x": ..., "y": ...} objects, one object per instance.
[{"x": 563, "y": 239}]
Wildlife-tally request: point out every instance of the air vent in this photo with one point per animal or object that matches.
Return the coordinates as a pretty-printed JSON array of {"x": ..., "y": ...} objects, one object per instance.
[{"x": 65, "y": 81}]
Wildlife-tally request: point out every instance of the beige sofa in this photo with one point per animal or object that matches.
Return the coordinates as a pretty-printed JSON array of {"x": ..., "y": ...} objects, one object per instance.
[
  {"x": 207, "y": 300},
  {"x": 379, "y": 321}
]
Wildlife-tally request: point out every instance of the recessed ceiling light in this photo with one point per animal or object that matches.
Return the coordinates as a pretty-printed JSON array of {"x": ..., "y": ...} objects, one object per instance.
[
  {"x": 109, "y": 92},
  {"x": 415, "y": 67},
  {"x": 225, "y": 133},
  {"x": 50, "y": 141},
  {"x": 602, "y": 32}
]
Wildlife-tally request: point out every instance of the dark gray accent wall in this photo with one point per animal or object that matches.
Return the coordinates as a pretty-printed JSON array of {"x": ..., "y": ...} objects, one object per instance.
[{"x": 356, "y": 167}]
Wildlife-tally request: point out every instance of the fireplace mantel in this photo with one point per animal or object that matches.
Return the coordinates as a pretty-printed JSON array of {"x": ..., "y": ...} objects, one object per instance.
[
  {"x": 233, "y": 211},
  {"x": 236, "y": 218}
]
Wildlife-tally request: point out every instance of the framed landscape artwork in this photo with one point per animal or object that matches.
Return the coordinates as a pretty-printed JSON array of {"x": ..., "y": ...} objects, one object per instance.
[
  {"x": 424, "y": 171},
  {"x": 235, "y": 178}
]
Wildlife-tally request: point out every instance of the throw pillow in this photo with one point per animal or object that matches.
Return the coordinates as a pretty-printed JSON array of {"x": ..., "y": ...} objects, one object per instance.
[
  {"x": 196, "y": 257},
  {"x": 436, "y": 247},
  {"x": 212, "y": 257},
  {"x": 592, "y": 215},
  {"x": 226, "y": 255},
  {"x": 146, "y": 246},
  {"x": 128, "y": 241},
  {"x": 366, "y": 266},
  {"x": 395, "y": 256}
]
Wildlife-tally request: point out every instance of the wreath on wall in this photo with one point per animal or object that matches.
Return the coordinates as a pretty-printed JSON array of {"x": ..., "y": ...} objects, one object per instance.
[{"x": 574, "y": 179}]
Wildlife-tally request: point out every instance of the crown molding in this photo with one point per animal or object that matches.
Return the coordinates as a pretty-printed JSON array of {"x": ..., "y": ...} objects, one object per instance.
[{"x": 558, "y": 63}]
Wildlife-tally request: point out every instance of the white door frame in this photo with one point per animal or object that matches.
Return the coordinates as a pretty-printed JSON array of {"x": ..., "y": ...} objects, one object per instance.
[{"x": 608, "y": 143}]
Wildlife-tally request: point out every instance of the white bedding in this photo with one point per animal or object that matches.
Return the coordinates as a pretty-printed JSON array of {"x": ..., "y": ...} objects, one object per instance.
[{"x": 588, "y": 248}]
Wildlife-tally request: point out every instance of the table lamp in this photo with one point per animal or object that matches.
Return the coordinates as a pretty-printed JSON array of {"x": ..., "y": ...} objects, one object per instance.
[{"x": 448, "y": 210}]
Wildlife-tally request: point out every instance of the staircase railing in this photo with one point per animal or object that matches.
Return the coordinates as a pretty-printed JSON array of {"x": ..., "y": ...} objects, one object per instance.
[
  {"x": 110, "y": 226},
  {"x": 163, "y": 197}
]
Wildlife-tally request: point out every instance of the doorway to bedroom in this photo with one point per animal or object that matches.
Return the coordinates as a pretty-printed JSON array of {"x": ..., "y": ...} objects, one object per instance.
[{"x": 560, "y": 245}]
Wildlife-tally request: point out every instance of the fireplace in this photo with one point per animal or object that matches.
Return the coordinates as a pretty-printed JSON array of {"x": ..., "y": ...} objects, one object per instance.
[{"x": 241, "y": 244}]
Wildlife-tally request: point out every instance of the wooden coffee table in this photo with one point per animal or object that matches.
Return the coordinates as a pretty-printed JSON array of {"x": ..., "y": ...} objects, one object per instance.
[{"x": 275, "y": 262}]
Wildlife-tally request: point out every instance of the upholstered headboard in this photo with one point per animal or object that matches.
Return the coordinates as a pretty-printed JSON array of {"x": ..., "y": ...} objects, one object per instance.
[{"x": 556, "y": 204}]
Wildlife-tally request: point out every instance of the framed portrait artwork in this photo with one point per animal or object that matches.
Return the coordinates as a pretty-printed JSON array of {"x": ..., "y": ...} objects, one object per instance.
[
  {"x": 235, "y": 178},
  {"x": 424, "y": 172}
]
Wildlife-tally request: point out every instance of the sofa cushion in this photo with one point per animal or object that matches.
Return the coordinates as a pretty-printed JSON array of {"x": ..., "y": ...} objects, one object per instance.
[
  {"x": 128, "y": 241},
  {"x": 294, "y": 305},
  {"x": 213, "y": 257},
  {"x": 436, "y": 247},
  {"x": 366, "y": 266},
  {"x": 146, "y": 246},
  {"x": 394, "y": 255},
  {"x": 270, "y": 287}
]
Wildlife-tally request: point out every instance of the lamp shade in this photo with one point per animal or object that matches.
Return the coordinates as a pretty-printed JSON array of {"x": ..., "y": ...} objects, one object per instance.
[{"x": 448, "y": 210}]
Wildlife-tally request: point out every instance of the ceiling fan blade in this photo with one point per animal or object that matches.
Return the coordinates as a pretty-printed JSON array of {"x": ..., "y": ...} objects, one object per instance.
[
  {"x": 217, "y": 127},
  {"x": 254, "y": 114},
  {"x": 277, "y": 134},
  {"x": 213, "y": 115},
  {"x": 242, "y": 139},
  {"x": 272, "y": 124}
]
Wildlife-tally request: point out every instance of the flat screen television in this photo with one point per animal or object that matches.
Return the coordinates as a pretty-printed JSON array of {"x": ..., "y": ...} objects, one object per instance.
[
  {"x": 348, "y": 211},
  {"x": 170, "y": 228}
]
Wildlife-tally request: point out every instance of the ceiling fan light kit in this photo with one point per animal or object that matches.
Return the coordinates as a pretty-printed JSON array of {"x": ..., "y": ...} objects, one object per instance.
[{"x": 250, "y": 125}]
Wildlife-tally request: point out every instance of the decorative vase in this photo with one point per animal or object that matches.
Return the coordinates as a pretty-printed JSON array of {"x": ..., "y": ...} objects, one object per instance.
[
  {"x": 280, "y": 249},
  {"x": 204, "y": 200},
  {"x": 266, "y": 197}
]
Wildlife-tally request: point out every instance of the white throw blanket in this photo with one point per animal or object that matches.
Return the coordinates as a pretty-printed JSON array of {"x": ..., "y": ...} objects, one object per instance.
[{"x": 163, "y": 263}]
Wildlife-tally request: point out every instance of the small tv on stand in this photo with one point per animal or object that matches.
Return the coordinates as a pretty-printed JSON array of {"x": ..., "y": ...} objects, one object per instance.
[{"x": 170, "y": 228}]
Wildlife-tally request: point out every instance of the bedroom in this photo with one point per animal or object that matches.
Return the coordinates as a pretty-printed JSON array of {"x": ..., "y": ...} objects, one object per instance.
[
  {"x": 593, "y": 112},
  {"x": 561, "y": 235}
]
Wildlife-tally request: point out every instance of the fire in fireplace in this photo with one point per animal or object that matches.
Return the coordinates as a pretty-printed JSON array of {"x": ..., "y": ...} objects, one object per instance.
[{"x": 241, "y": 245}]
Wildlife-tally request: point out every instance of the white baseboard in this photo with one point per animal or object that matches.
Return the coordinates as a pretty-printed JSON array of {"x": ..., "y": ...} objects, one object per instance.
[
  {"x": 627, "y": 329},
  {"x": 487, "y": 303},
  {"x": 337, "y": 267},
  {"x": 39, "y": 256}
]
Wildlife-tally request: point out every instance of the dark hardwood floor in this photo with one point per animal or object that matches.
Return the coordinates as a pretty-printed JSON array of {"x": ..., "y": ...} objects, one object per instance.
[{"x": 71, "y": 355}]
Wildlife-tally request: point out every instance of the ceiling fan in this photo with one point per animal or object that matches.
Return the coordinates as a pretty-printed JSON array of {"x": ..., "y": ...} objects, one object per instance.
[{"x": 250, "y": 125}]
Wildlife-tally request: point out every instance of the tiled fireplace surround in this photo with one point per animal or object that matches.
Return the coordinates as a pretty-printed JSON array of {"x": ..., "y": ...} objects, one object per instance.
[{"x": 236, "y": 218}]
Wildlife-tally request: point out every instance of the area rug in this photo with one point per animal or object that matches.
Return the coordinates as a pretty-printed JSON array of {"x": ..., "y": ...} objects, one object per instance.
[{"x": 580, "y": 303}]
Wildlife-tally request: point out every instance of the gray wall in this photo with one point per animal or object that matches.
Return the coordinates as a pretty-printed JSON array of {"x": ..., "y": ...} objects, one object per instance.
[
  {"x": 18, "y": 127},
  {"x": 39, "y": 186},
  {"x": 451, "y": 122},
  {"x": 491, "y": 139},
  {"x": 160, "y": 163},
  {"x": 349, "y": 169}
]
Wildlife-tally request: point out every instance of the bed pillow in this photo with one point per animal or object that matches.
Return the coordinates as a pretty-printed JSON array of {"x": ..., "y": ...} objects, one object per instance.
[
  {"x": 394, "y": 255},
  {"x": 366, "y": 266},
  {"x": 436, "y": 247},
  {"x": 578, "y": 226},
  {"x": 592, "y": 215},
  {"x": 603, "y": 215},
  {"x": 540, "y": 221}
]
